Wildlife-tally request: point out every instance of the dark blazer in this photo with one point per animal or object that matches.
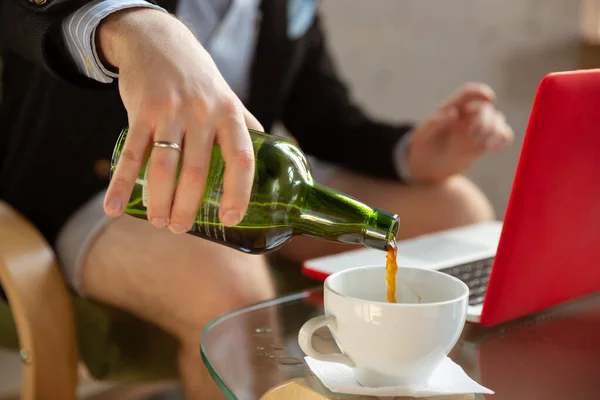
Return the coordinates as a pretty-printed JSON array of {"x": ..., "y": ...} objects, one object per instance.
[{"x": 58, "y": 128}]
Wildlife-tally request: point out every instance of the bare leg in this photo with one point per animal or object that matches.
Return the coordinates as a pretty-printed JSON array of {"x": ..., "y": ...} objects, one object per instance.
[
  {"x": 422, "y": 208},
  {"x": 178, "y": 282}
]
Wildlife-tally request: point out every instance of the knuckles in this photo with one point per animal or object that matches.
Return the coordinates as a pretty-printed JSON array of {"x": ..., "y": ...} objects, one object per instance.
[
  {"x": 245, "y": 158},
  {"x": 130, "y": 156},
  {"x": 207, "y": 107},
  {"x": 163, "y": 161},
  {"x": 194, "y": 174},
  {"x": 230, "y": 108}
]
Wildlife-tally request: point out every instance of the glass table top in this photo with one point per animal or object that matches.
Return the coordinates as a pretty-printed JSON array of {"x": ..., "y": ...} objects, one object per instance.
[{"x": 253, "y": 353}]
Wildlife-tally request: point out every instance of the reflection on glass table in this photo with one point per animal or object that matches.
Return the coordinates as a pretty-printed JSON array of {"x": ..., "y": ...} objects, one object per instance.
[{"x": 253, "y": 353}]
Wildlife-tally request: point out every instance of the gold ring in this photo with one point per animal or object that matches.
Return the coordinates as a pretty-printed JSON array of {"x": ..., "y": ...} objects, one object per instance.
[{"x": 167, "y": 145}]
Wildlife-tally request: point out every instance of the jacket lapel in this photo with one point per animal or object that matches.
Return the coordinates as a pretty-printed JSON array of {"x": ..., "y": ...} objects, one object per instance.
[
  {"x": 169, "y": 5},
  {"x": 271, "y": 56}
]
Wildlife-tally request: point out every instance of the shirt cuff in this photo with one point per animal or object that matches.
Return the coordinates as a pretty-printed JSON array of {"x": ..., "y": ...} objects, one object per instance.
[
  {"x": 79, "y": 33},
  {"x": 401, "y": 158}
]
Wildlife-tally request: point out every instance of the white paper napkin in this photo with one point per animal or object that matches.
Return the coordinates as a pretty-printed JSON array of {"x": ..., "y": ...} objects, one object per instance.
[{"x": 448, "y": 379}]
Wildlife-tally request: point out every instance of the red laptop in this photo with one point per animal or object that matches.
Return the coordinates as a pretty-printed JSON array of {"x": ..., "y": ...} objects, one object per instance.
[{"x": 547, "y": 250}]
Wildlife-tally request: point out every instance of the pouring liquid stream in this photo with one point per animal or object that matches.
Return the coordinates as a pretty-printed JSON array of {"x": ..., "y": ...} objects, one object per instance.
[{"x": 391, "y": 268}]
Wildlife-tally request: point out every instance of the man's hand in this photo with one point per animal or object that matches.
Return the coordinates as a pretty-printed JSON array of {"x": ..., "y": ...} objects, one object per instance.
[
  {"x": 463, "y": 128},
  {"x": 173, "y": 92}
]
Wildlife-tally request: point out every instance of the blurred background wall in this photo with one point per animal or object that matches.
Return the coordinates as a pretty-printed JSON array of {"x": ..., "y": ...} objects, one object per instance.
[{"x": 402, "y": 57}]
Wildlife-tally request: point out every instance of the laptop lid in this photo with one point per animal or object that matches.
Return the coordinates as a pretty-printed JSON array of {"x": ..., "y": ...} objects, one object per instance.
[{"x": 549, "y": 249}]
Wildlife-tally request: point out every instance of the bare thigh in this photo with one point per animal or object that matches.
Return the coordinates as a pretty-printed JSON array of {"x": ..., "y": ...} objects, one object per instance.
[
  {"x": 422, "y": 208},
  {"x": 178, "y": 282}
]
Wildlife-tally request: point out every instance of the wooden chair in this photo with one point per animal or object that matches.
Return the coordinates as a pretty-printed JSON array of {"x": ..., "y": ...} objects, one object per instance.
[
  {"x": 54, "y": 329},
  {"x": 42, "y": 310}
]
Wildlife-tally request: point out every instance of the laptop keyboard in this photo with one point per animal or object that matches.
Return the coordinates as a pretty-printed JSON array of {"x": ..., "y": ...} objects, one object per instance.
[{"x": 476, "y": 275}]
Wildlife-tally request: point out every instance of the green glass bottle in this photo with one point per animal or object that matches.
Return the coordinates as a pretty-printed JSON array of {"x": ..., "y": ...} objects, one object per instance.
[{"x": 285, "y": 201}]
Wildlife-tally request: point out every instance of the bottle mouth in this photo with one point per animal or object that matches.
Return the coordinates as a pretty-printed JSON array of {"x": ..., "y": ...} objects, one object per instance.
[
  {"x": 393, "y": 232},
  {"x": 382, "y": 232}
]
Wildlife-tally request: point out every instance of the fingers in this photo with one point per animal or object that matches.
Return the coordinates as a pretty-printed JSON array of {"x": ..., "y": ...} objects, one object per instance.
[
  {"x": 162, "y": 172},
  {"x": 438, "y": 123},
  {"x": 482, "y": 116},
  {"x": 127, "y": 169},
  {"x": 173, "y": 199},
  {"x": 469, "y": 92},
  {"x": 503, "y": 134},
  {"x": 488, "y": 126},
  {"x": 198, "y": 145},
  {"x": 237, "y": 150}
]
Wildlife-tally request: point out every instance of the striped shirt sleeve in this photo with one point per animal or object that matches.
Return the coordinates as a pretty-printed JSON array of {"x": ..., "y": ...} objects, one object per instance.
[
  {"x": 79, "y": 31},
  {"x": 401, "y": 158}
]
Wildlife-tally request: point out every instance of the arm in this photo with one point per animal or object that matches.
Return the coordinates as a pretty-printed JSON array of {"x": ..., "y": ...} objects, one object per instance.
[
  {"x": 323, "y": 119},
  {"x": 31, "y": 278},
  {"x": 321, "y": 116},
  {"x": 178, "y": 96}
]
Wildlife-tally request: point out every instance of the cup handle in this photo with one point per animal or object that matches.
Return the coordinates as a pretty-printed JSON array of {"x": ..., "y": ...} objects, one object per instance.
[{"x": 305, "y": 340}]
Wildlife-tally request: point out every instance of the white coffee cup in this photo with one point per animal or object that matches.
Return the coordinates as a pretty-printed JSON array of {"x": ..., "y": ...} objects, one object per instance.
[{"x": 390, "y": 344}]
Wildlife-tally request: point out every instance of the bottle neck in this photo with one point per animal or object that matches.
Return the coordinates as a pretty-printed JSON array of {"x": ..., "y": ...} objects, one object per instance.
[{"x": 331, "y": 215}]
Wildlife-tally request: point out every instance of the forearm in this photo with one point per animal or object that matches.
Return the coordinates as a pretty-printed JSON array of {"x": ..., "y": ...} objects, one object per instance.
[{"x": 369, "y": 147}]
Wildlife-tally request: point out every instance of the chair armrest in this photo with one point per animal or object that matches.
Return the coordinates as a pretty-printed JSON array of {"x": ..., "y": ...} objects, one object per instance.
[{"x": 41, "y": 307}]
